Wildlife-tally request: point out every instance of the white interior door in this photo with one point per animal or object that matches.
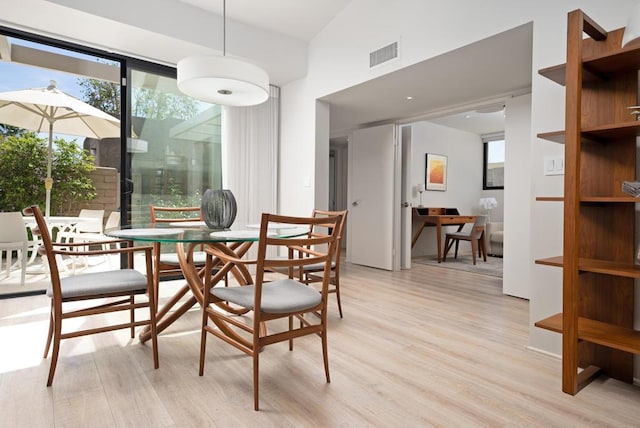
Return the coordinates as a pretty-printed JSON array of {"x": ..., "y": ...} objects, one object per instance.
[
  {"x": 371, "y": 197},
  {"x": 406, "y": 194}
]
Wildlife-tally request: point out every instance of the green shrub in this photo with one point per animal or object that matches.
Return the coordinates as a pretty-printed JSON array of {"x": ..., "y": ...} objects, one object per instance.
[{"x": 23, "y": 168}]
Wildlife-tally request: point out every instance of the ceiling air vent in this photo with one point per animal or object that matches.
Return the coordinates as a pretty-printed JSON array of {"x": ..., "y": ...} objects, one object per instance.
[{"x": 384, "y": 54}]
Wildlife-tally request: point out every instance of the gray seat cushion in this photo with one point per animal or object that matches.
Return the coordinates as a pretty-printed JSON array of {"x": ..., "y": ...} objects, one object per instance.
[
  {"x": 115, "y": 281},
  {"x": 317, "y": 267},
  {"x": 199, "y": 258},
  {"x": 278, "y": 297}
]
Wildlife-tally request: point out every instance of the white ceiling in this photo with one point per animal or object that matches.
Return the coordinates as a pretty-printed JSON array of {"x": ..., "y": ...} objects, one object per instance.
[
  {"x": 456, "y": 83},
  {"x": 447, "y": 89},
  {"x": 299, "y": 19}
]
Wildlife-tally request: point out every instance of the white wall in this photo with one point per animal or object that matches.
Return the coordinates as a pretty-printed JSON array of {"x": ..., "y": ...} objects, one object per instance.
[
  {"x": 464, "y": 174},
  {"x": 338, "y": 59}
]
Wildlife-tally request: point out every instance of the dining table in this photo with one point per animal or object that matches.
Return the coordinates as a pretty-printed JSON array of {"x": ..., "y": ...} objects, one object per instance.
[{"x": 192, "y": 236}]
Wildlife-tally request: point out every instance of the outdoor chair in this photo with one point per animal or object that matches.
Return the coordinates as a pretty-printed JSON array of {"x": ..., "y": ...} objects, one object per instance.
[{"x": 14, "y": 237}]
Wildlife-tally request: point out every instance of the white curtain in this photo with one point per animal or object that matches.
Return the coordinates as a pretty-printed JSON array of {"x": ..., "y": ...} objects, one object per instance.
[{"x": 250, "y": 141}]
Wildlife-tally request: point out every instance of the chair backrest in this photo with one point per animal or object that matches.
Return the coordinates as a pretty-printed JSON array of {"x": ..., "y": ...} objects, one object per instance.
[
  {"x": 92, "y": 221},
  {"x": 321, "y": 213},
  {"x": 46, "y": 248},
  {"x": 301, "y": 250},
  {"x": 174, "y": 214},
  {"x": 13, "y": 229},
  {"x": 479, "y": 226},
  {"x": 113, "y": 220}
]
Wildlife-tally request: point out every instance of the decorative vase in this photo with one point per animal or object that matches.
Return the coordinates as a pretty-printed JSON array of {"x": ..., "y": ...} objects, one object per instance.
[{"x": 218, "y": 208}]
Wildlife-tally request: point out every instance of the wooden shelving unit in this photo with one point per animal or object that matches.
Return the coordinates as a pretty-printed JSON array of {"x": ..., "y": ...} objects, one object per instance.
[{"x": 598, "y": 261}]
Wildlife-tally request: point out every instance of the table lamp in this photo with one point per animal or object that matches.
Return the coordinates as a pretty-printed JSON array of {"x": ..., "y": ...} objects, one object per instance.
[{"x": 420, "y": 190}]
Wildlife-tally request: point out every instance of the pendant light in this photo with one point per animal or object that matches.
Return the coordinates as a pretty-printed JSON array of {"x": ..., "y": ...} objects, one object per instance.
[{"x": 221, "y": 79}]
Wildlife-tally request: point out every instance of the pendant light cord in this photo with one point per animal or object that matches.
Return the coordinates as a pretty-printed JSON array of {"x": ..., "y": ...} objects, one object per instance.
[{"x": 224, "y": 27}]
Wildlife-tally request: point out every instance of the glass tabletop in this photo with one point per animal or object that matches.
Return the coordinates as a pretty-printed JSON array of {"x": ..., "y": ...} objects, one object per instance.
[{"x": 162, "y": 232}]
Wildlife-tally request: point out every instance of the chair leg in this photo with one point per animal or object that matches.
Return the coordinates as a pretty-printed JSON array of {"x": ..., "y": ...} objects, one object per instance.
[
  {"x": 154, "y": 331},
  {"x": 23, "y": 265},
  {"x": 290, "y": 329},
  {"x": 205, "y": 316},
  {"x": 256, "y": 354},
  {"x": 337, "y": 285},
  {"x": 133, "y": 316},
  {"x": 474, "y": 250},
  {"x": 447, "y": 246},
  {"x": 56, "y": 348},
  {"x": 156, "y": 272},
  {"x": 50, "y": 334},
  {"x": 455, "y": 254},
  {"x": 325, "y": 353}
]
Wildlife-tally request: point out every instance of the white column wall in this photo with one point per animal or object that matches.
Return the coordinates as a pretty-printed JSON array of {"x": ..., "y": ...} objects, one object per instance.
[{"x": 517, "y": 196}]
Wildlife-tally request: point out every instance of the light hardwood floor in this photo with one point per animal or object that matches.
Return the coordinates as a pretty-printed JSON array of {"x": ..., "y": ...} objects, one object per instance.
[{"x": 425, "y": 347}]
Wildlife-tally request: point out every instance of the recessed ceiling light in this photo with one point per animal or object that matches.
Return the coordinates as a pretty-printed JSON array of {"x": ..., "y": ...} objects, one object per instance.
[
  {"x": 409, "y": 98},
  {"x": 468, "y": 116}
]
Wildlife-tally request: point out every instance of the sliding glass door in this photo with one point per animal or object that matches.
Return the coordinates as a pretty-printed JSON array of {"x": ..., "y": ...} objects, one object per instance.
[{"x": 173, "y": 144}]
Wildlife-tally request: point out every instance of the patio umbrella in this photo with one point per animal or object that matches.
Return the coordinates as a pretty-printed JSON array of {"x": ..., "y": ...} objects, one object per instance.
[{"x": 43, "y": 109}]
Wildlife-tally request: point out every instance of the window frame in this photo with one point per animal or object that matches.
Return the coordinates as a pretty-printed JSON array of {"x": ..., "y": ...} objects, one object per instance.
[{"x": 486, "y": 139}]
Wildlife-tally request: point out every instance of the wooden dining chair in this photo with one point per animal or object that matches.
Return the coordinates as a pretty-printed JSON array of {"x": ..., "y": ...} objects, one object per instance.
[
  {"x": 281, "y": 298},
  {"x": 166, "y": 263},
  {"x": 476, "y": 236},
  {"x": 314, "y": 273},
  {"x": 119, "y": 288}
]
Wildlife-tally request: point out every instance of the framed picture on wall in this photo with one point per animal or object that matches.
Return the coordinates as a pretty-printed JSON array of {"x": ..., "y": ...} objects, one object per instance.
[{"x": 436, "y": 172}]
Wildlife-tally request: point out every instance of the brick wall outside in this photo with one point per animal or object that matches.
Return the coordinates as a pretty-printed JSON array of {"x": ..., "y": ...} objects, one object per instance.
[{"x": 107, "y": 183}]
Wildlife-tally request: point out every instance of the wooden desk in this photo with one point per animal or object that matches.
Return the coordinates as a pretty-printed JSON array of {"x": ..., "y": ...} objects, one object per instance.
[{"x": 437, "y": 217}]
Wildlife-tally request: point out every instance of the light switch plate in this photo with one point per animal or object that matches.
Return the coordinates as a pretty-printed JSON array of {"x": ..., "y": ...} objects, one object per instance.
[{"x": 554, "y": 165}]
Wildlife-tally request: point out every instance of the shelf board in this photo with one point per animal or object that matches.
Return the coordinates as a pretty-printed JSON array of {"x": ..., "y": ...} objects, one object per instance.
[
  {"x": 598, "y": 67},
  {"x": 607, "y": 267},
  {"x": 553, "y": 323},
  {"x": 613, "y": 131},
  {"x": 550, "y": 198},
  {"x": 551, "y": 261},
  {"x": 592, "y": 199},
  {"x": 610, "y": 335},
  {"x": 555, "y": 136},
  {"x": 599, "y": 199},
  {"x": 602, "y": 133}
]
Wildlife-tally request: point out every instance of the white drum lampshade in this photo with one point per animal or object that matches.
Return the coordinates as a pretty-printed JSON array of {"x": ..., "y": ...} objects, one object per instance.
[
  {"x": 223, "y": 80},
  {"x": 631, "y": 34}
]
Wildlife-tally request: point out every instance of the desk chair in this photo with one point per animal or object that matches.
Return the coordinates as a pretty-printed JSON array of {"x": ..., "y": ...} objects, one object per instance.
[
  {"x": 120, "y": 287},
  {"x": 281, "y": 298},
  {"x": 476, "y": 236}
]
